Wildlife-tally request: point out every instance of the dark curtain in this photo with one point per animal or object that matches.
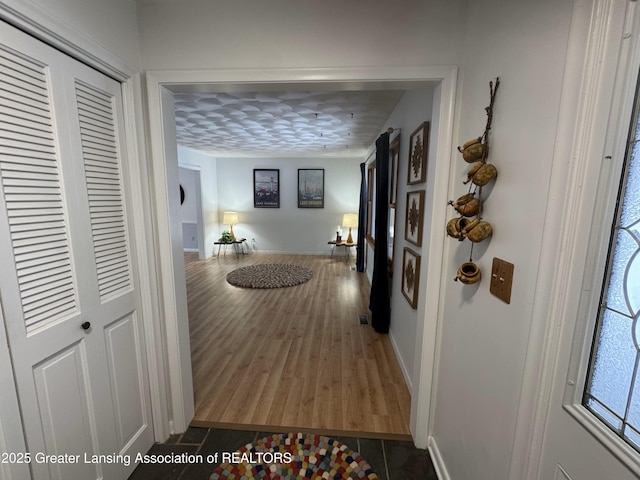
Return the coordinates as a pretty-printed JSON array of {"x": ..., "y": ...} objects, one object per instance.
[
  {"x": 379, "y": 301},
  {"x": 362, "y": 218}
]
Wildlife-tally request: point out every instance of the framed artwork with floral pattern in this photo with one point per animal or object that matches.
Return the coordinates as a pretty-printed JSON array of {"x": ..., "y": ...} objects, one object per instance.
[
  {"x": 410, "y": 276},
  {"x": 418, "y": 149},
  {"x": 414, "y": 217}
]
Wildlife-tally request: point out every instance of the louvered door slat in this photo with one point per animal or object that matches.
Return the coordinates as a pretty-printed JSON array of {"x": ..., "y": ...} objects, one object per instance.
[
  {"x": 51, "y": 292},
  {"x": 34, "y": 183},
  {"x": 28, "y": 220},
  {"x": 16, "y": 93},
  {"x": 96, "y": 105},
  {"x": 51, "y": 300},
  {"x": 93, "y": 148},
  {"x": 26, "y": 209},
  {"x": 104, "y": 188},
  {"x": 31, "y": 184},
  {"x": 38, "y": 243},
  {"x": 22, "y": 84},
  {"x": 37, "y": 122},
  {"x": 11, "y": 85},
  {"x": 8, "y": 124},
  {"x": 26, "y": 105},
  {"x": 97, "y": 125},
  {"x": 43, "y": 284},
  {"x": 58, "y": 284},
  {"x": 21, "y": 63},
  {"x": 33, "y": 258},
  {"x": 99, "y": 161},
  {"x": 21, "y": 138},
  {"x": 13, "y": 160},
  {"x": 37, "y": 319},
  {"x": 95, "y": 100}
]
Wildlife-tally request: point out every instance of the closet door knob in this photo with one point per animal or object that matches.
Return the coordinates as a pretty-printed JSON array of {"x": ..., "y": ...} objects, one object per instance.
[{"x": 86, "y": 325}]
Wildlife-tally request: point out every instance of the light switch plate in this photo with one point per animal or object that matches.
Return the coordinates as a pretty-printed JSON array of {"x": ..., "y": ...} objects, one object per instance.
[{"x": 501, "y": 279}]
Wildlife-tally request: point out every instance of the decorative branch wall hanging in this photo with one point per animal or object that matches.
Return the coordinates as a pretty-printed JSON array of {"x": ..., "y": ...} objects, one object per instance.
[{"x": 469, "y": 224}]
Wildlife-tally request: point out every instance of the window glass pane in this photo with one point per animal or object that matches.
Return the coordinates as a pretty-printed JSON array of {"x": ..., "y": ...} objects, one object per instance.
[
  {"x": 613, "y": 384},
  {"x": 625, "y": 247},
  {"x": 614, "y": 362},
  {"x": 633, "y": 287},
  {"x": 605, "y": 414},
  {"x": 634, "y": 408},
  {"x": 633, "y": 437},
  {"x": 631, "y": 203}
]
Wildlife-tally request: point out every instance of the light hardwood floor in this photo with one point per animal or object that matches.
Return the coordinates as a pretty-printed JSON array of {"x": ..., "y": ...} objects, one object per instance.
[{"x": 291, "y": 357}]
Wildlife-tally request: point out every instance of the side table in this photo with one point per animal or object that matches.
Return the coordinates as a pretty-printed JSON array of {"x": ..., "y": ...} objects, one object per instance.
[
  {"x": 347, "y": 246},
  {"x": 238, "y": 247}
]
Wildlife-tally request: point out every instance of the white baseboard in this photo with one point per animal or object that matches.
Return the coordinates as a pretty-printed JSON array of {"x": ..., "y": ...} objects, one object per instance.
[
  {"x": 438, "y": 461},
  {"x": 191, "y": 250},
  {"x": 405, "y": 373}
]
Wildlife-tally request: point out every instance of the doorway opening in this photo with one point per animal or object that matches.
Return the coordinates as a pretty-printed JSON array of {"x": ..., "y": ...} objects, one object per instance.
[{"x": 160, "y": 88}]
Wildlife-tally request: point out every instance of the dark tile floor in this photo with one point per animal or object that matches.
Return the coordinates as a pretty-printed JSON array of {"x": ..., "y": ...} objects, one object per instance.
[{"x": 389, "y": 459}]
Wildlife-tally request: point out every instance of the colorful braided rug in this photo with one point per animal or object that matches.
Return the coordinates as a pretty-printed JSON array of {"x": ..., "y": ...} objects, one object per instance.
[{"x": 294, "y": 456}]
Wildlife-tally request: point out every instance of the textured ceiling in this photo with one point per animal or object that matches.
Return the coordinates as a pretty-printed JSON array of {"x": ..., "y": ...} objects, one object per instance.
[{"x": 291, "y": 124}]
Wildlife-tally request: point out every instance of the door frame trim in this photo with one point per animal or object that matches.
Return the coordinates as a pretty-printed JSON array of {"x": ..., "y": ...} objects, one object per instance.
[
  {"x": 56, "y": 33},
  {"x": 583, "y": 117},
  {"x": 175, "y": 313}
]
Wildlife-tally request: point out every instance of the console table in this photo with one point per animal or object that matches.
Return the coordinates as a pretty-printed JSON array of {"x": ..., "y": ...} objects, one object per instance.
[
  {"x": 238, "y": 246},
  {"x": 347, "y": 246}
]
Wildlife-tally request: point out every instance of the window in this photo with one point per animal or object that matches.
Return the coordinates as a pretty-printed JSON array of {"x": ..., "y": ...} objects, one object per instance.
[
  {"x": 371, "y": 203},
  {"x": 612, "y": 390},
  {"x": 394, "y": 158}
]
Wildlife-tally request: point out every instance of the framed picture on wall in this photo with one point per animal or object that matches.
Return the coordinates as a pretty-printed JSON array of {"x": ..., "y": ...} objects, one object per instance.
[
  {"x": 414, "y": 218},
  {"x": 410, "y": 276},
  {"x": 418, "y": 149},
  {"x": 266, "y": 188},
  {"x": 311, "y": 188}
]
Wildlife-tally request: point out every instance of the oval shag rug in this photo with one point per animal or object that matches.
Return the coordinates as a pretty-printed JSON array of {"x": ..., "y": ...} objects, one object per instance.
[
  {"x": 269, "y": 275},
  {"x": 294, "y": 456}
]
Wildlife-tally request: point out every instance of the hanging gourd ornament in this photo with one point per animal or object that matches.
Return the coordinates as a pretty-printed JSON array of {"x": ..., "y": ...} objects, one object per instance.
[
  {"x": 473, "y": 150},
  {"x": 467, "y": 205},
  {"x": 481, "y": 173},
  {"x": 468, "y": 273},
  {"x": 455, "y": 227},
  {"x": 477, "y": 230}
]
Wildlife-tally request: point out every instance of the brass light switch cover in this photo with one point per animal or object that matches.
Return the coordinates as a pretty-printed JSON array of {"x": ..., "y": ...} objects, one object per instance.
[{"x": 501, "y": 279}]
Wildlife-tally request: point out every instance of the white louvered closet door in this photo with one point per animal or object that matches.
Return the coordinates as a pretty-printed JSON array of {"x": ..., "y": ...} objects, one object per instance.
[{"x": 68, "y": 285}]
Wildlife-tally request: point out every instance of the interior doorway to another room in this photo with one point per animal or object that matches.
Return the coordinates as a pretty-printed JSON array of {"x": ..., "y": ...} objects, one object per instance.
[
  {"x": 164, "y": 155},
  {"x": 191, "y": 211}
]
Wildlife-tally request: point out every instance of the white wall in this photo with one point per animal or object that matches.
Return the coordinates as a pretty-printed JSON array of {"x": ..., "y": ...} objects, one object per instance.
[
  {"x": 414, "y": 107},
  {"x": 291, "y": 34},
  {"x": 484, "y": 340},
  {"x": 209, "y": 232},
  {"x": 289, "y": 229}
]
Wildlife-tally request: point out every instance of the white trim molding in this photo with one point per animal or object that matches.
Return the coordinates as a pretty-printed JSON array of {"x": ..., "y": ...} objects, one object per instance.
[
  {"x": 437, "y": 460},
  {"x": 443, "y": 77},
  {"x": 53, "y": 31},
  {"x": 580, "y": 141}
]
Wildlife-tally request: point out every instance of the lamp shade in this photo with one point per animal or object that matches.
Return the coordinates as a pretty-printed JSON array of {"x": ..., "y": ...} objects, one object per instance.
[
  {"x": 230, "y": 218},
  {"x": 350, "y": 220}
]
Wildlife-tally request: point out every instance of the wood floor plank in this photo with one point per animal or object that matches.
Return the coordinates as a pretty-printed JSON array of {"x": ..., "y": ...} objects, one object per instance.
[{"x": 291, "y": 357}]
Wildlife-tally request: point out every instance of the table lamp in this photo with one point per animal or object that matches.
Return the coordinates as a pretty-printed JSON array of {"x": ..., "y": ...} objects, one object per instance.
[
  {"x": 350, "y": 220},
  {"x": 231, "y": 219}
]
